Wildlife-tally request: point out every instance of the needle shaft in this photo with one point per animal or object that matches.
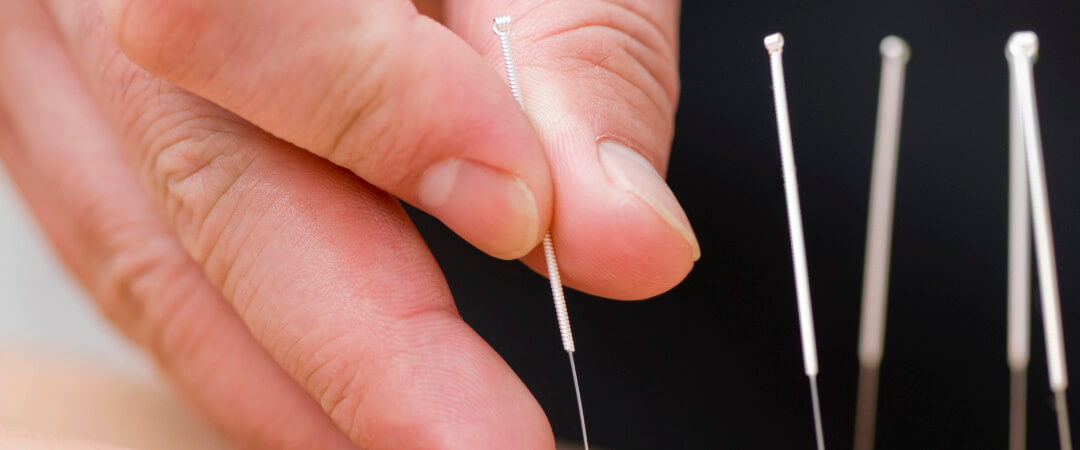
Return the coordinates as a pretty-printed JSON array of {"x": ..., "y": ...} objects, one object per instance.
[
  {"x": 1062, "y": 408},
  {"x": 501, "y": 26},
  {"x": 1017, "y": 409},
  {"x": 774, "y": 43},
  {"x": 577, "y": 392},
  {"x": 866, "y": 408}
]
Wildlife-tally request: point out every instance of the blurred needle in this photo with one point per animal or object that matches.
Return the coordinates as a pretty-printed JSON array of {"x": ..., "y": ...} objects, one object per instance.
[
  {"x": 1019, "y": 269},
  {"x": 1021, "y": 51},
  {"x": 894, "y": 57}
]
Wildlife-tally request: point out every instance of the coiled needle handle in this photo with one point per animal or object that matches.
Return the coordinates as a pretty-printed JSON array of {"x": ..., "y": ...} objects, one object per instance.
[{"x": 501, "y": 27}]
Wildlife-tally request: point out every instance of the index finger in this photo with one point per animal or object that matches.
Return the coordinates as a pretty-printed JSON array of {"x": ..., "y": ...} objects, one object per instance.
[{"x": 374, "y": 87}]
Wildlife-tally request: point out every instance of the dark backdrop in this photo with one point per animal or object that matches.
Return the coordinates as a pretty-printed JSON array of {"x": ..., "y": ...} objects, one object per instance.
[{"x": 715, "y": 363}]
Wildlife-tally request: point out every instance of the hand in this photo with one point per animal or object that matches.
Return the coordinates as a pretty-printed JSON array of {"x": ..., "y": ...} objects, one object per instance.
[{"x": 269, "y": 269}]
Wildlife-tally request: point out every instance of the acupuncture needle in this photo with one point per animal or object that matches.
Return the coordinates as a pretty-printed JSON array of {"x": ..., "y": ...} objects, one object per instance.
[
  {"x": 894, "y": 57},
  {"x": 774, "y": 43},
  {"x": 501, "y": 26},
  {"x": 1021, "y": 52},
  {"x": 1019, "y": 276}
]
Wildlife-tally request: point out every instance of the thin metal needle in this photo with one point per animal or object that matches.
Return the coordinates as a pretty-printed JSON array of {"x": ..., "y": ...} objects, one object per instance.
[
  {"x": 1021, "y": 51},
  {"x": 774, "y": 43},
  {"x": 894, "y": 57},
  {"x": 1019, "y": 269},
  {"x": 501, "y": 27},
  {"x": 577, "y": 392}
]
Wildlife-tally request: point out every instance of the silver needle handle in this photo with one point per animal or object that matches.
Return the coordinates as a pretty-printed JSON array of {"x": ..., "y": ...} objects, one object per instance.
[{"x": 774, "y": 43}]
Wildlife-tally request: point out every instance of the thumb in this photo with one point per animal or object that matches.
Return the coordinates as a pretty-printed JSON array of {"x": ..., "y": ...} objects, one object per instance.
[
  {"x": 374, "y": 87},
  {"x": 600, "y": 84}
]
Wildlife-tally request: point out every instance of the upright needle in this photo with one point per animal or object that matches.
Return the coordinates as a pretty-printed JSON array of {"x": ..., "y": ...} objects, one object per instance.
[
  {"x": 501, "y": 26},
  {"x": 1019, "y": 270},
  {"x": 774, "y": 43},
  {"x": 894, "y": 57},
  {"x": 1021, "y": 51}
]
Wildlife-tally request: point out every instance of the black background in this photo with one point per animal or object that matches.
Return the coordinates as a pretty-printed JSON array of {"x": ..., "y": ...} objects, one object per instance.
[{"x": 716, "y": 362}]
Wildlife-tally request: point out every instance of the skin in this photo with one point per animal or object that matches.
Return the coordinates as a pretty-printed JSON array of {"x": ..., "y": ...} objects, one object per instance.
[{"x": 238, "y": 217}]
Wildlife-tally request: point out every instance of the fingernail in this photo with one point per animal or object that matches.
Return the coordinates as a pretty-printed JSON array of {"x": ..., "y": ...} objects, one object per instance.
[
  {"x": 632, "y": 172},
  {"x": 493, "y": 210}
]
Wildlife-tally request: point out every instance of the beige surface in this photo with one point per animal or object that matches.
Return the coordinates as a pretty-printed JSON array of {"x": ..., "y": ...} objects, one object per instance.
[
  {"x": 53, "y": 401},
  {"x": 18, "y": 438},
  {"x": 57, "y": 395}
]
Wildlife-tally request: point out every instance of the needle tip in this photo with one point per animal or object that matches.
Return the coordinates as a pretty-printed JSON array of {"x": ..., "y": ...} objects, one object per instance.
[
  {"x": 577, "y": 392},
  {"x": 815, "y": 402},
  {"x": 1023, "y": 44},
  {"x": 501, "y": 25},
  {"x": 1062, "y": 409},
  {"x": 894, "y": 47},
  {"x": 774, "y": 43}
]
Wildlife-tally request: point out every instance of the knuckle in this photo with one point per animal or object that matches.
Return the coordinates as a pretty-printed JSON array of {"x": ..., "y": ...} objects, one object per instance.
[
  {"x": 157, "y": 297},
  {"x": 139, "y": 276},
  {"x": 195, "y": 161},
  {"x": 145, "y": 284},
  {"x": 350, "y": 376},
  {"x": 191, "y": 155},
  {"x": 122, "y": 274},
  {"x": 336, "y": 383}
]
